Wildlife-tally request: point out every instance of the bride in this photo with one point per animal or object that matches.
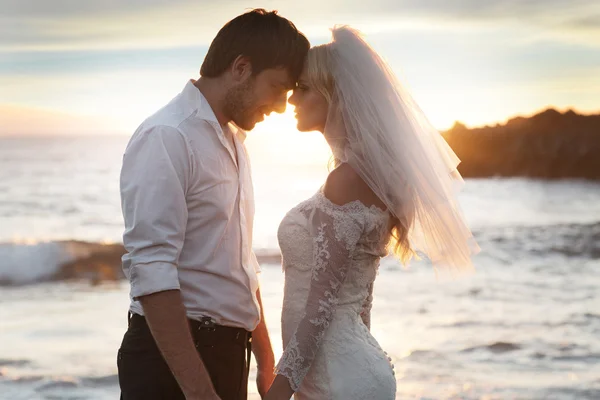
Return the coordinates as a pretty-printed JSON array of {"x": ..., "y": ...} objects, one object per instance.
[{"x": 393, "y": 188}]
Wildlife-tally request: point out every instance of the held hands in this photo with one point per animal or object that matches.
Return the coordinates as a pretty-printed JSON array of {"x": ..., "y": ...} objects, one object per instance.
[
  {"x": 280, "y": 389},
  {"x": 264, "y": 379}
]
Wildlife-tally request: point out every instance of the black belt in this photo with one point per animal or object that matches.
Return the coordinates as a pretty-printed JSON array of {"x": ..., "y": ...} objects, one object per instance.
[
  {"x": 206, "y": 325},
  {"x": 239, "y": 335}
]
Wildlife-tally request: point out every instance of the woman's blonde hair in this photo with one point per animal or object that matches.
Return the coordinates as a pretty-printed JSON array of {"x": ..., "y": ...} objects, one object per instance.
[{"x": 319, "y": 64}]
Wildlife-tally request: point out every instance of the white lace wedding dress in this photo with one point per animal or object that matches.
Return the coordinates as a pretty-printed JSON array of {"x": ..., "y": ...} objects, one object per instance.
[{"x": 330, "y": 257}]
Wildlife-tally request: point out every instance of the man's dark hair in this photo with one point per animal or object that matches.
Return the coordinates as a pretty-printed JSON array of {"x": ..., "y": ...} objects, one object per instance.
[{"x": 267, "y": 39}]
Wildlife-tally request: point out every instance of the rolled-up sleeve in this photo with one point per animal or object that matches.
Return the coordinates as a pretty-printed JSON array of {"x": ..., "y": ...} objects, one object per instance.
[{"x": 154, "y": 180}]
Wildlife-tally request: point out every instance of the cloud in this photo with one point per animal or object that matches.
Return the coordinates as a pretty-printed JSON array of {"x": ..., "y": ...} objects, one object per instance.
[
  {"x": 108, "y": 29},
  {"x": 67, "y": 63},
  {"x": 125, "y": 58},
  {"x": 77, "y": 8},
  {"x": 34, "y": 25},
  {"x": 40, "y": 9}
]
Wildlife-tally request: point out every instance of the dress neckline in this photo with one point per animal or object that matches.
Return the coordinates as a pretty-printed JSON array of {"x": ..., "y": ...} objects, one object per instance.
[{"x": 354, "y": 205}]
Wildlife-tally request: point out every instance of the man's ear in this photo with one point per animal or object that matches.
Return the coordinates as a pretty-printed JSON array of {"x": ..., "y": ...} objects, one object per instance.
[{"x": 241, "y": 68}]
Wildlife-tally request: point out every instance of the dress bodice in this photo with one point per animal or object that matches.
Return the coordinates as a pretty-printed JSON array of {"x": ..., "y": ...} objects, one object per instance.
[{"x": 330, "y": 255}]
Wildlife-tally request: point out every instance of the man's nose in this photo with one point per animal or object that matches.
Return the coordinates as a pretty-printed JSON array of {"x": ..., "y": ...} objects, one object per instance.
[{"x": 280, "y": 104}]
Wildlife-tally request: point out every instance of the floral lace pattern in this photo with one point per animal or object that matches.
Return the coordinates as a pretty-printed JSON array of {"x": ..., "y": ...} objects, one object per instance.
[
  {"x": 365, "y": 313},
  {"x": 333, "y": 247},
  {"x": 346, "y": 243}
]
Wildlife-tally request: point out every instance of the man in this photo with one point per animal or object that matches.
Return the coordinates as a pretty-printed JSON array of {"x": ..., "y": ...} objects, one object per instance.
[{"x": 187, "y": 202}]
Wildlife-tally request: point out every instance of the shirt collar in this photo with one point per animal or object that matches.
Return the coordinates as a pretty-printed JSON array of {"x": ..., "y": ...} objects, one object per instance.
[
  {"x": 193, "y": 96},
  {"x": 238, "y": 132}
]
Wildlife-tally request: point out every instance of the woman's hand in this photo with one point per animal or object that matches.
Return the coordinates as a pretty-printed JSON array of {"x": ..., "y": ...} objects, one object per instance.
[{"x": 280, "y": 389}]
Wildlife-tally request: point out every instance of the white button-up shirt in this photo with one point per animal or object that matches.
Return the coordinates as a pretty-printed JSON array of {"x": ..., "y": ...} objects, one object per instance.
[{"x": 188, "y": 205}]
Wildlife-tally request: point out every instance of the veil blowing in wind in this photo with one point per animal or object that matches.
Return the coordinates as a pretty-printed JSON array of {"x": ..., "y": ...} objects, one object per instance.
[{"x": 376, "y": 127}]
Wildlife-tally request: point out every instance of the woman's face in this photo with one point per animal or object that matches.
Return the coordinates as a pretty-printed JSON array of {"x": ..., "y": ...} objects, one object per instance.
[{"x": 310, "y": 106}]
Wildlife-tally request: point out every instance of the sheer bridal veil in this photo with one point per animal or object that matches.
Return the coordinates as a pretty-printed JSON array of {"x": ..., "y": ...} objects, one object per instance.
[{"x": 376, "y": 127}]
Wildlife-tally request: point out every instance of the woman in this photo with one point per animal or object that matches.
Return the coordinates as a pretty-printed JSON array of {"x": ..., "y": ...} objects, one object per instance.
[{"x": 393, "y": 188}]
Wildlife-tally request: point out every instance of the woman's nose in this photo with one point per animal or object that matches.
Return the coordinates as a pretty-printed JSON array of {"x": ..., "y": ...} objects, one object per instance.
[{"x": 293, "y": 98}]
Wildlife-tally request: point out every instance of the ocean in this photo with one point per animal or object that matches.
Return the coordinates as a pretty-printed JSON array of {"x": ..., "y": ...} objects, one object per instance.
[{"x": 526, "y": 325}]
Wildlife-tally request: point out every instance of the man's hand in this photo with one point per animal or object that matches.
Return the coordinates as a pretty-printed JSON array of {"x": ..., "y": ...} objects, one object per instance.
[
  {"x": 168, "y": 323},
  {"x": 263, "y": 353},
  {"x": 264, "y": 380}
]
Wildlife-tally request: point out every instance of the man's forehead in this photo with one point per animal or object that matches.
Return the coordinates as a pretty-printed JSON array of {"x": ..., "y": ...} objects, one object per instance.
[{"x": 280, "y": 76}]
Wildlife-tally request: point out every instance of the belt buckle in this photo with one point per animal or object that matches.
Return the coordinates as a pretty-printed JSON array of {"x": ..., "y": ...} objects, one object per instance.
[{"x": 207, "y": 323}]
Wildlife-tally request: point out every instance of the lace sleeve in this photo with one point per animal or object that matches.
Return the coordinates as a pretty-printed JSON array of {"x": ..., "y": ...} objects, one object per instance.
[
  {"x": 366, "y": 308},
  {"x": 335, "y": 236}
]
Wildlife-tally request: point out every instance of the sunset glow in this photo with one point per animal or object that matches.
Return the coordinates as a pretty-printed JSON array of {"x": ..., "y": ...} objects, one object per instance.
[{"x": 95, "y": 68}]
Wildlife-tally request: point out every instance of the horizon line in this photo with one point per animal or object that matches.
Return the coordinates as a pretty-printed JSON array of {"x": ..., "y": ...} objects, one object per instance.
[{"x": 125, "y": 132}]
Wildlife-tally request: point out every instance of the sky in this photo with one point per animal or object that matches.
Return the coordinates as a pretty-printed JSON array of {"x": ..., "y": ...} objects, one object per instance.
[{"x": 101, "y": 67}]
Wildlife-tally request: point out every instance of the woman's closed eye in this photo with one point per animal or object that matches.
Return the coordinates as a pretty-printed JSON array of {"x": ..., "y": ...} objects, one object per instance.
[{"x": 302, "y": 87}]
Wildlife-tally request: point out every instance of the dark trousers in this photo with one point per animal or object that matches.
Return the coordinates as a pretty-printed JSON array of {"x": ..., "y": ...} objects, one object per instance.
[{"x": 144, "y": 374}]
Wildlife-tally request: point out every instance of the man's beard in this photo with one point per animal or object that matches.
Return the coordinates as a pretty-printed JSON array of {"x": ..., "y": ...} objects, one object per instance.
[{"x": 239, "y": 104}]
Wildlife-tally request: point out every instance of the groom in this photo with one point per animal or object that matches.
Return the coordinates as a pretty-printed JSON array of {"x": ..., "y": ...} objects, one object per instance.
[{"x": 187, "y": 202}]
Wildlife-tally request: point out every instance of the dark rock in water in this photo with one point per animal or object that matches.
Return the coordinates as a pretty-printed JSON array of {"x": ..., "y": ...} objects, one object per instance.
[
  {"x": 95, "y": 262},
  {"x": 503, "y": 347},
  {"x": 75, "y": 260},
  {"x": 498, "y": 347},
  {"x": 60, "y": 260},
  {"x": 548, "y": 145},
  {"x": 99, "y": 262},
  {"x": 592, "y": 316}
]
